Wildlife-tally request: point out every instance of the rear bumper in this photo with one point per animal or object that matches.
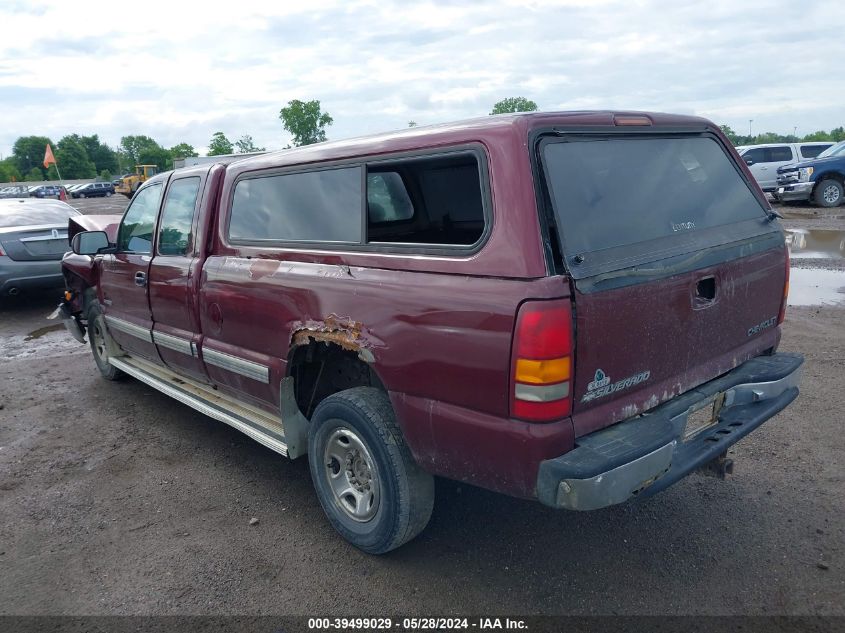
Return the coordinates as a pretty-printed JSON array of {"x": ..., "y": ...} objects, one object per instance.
[
  {"x": 647, "y": 454},
  {"x": 32, "y": 274}
]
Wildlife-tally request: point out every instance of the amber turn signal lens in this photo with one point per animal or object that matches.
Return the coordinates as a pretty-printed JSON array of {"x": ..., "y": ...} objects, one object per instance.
[
  {"x": 68, "y": 295},
  {"x": 542, "y": 372}
]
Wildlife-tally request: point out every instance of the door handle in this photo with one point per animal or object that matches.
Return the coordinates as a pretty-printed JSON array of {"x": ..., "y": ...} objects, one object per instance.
[{"x": 140, "y": 279}]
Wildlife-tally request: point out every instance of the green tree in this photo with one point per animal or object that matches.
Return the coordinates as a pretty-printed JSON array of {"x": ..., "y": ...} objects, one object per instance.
[
  {"x": 34, "y": 175},
  {"x": 156, "y": 155},
  {"x": 52, "y": 172},
  {"x": 732, "y": 136},
  {"x": 220, "y": 145},
  {"x": 106, "y": 175},
  {"x": 821, "y": 135},
  {"x": 142, "y": 150},
  {"x": 305, "y": 121},
  {"x": 28, "y": 152},
  {"x": 514, "y": 104},
  {"x": 103, "y": 156},
  {"x": 9, "y": 171},
  {"x": 246, "y": 145},
  {"x": 131, "y": 147},
  {"x": 72, "y": 159},
  {"x": 183, "y": 150},
  {"x": 412, "y": 124}
]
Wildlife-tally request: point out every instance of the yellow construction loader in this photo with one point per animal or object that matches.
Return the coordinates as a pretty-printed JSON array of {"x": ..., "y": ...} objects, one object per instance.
[{"x": 129, "y": 184}]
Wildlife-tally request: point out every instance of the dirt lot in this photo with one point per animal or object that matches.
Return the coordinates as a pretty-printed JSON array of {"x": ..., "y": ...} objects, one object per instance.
[{"x": 115, "y": 499}]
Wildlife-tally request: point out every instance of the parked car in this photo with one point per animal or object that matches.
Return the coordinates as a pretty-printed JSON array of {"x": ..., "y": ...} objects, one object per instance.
[
  {"x": 821, "y": 180},
  {"x": 33, "y": 239},
  {"x": 577, "y": 338},
  {"x": 15, "y": 191},
  {"x": 764, "y": 160},
  {"x": 45, "y": 191},
  {"x": 93, "y": 190}
]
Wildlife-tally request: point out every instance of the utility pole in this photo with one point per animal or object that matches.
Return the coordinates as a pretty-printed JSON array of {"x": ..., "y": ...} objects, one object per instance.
[{"x": 750, "y": 121}]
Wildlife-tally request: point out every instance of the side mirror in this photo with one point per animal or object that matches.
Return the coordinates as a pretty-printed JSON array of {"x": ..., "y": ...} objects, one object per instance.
[
  {"x": 749, "y": 162},
  {"x": 89, "y": 242}
]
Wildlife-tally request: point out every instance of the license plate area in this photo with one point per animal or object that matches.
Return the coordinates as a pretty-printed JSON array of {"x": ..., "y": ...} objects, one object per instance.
[{"x": 705, "y": 415}]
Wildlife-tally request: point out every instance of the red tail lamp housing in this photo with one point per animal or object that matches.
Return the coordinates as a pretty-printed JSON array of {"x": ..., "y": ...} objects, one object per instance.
[{"x": 541, "y": 361}]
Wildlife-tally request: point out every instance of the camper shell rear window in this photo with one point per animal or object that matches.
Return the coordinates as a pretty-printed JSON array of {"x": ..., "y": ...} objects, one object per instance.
[{"x": 620, "y": 201}]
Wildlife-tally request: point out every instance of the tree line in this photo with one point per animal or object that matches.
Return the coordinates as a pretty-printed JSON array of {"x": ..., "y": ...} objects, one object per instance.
[
  {"x": 835, "y": 135},
  {"x": 87, "y": 157}
]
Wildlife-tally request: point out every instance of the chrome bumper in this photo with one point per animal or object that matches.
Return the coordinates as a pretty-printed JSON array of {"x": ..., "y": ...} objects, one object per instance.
[{"x": 644, "y": 455}]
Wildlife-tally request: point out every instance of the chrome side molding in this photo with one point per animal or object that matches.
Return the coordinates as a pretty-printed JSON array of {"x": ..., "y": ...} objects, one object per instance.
[{"x": 247, "y": 368}]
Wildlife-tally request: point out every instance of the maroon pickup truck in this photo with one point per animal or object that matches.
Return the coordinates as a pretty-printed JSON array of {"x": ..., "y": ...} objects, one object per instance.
[{"x": 579, "y": 308}]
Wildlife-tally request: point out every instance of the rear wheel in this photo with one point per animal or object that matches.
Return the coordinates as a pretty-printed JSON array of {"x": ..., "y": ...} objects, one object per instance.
[
  {"x": 108, "y": 194},
  {"x": 369, "y": 486},
  {"x": 829, "y": 193},
  {"x": 100, "y": 340},
  {"x": 81, "y": 195}
]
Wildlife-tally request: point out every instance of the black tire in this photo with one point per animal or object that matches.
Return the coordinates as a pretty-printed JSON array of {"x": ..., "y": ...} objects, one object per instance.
[
  {"x": 100, "y": 340},
  {"x": 829, "y": 193},
  {"x": 403, "y": 491},
  {"x": 81, "y": 195}
]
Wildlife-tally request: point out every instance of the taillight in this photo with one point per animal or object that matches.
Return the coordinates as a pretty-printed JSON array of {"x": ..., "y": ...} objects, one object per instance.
[
  {"x": 541, "y": 367},
  {"x": 1, "y": 251},
  {"x": 782, "y": 313}
]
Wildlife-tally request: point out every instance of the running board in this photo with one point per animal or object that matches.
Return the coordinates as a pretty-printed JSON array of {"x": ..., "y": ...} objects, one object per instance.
[{"x": 261, "y": 426}]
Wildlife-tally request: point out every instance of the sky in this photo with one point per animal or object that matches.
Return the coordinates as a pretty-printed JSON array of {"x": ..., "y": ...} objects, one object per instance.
[{"x": 179, "y": 71}]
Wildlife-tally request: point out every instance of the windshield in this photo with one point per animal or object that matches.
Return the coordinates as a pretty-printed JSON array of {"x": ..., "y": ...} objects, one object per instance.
[
  {"x": 18, "y": 214},
  {"x": 833, "y": 150},
  {"x": 619, "y": 201}
]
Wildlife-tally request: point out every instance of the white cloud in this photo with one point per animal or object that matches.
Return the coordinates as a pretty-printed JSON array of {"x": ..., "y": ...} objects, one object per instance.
[{"x": 181, "y": 71}]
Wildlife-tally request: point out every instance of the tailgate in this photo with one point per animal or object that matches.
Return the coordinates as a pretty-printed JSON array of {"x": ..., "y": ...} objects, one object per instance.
[{"x": 678, "y": 271}]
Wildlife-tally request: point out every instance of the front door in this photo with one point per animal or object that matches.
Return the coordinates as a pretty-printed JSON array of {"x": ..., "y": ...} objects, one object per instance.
[{"x": 123, "y": 283}]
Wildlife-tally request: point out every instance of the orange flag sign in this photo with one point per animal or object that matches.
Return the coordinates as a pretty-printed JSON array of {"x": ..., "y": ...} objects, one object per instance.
[{"x": 48, "y": 156}]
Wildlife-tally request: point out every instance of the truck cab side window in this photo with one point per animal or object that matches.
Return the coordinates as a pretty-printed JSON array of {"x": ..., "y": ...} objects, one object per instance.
[
  {"x": 429, "y": 200},
  {"x": 136, "y": 230},
  {"x": 177, "y": 217}
]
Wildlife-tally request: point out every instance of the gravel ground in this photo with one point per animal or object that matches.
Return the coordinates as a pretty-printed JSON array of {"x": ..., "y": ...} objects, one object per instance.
[{"x": 115, "y": 499}]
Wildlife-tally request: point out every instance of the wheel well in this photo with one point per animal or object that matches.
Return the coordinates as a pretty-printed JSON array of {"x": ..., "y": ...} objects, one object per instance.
[
  {"x": 830, "y": 175},
  {"x": 320, "y": 369}
]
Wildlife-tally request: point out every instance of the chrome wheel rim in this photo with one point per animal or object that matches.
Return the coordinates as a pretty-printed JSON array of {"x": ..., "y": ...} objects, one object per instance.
[
  {"x": 831, "y": 194},
  {"x": 98, "y": 338},
  {"x": 351, "y": 474}
]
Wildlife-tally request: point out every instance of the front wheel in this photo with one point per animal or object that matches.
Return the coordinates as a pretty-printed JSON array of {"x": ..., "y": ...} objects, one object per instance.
[
  {"x": 829, "y": 193},
  {"x": 81, "y": 195},
  {"x": 108, "y": 194},
  {"x": 100, "y": 340},
  {"x": 369, "y": 486}
]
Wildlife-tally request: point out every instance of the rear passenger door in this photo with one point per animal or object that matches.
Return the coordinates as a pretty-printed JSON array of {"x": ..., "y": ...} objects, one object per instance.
[
  {"x": 765, "y": 162},
  {"x": 173, "y": 279},
  {"x": 123, "y": 282},
  {"x": 811, "y": 151}
]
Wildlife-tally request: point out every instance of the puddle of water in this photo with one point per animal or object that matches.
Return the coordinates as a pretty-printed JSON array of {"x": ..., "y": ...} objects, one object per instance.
[
  {"x": 44, "y": 330},
  {"x": 814, "y": 286},
  {"x": 49, "y": 344},
  {"x": 816, "y": 243}
]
